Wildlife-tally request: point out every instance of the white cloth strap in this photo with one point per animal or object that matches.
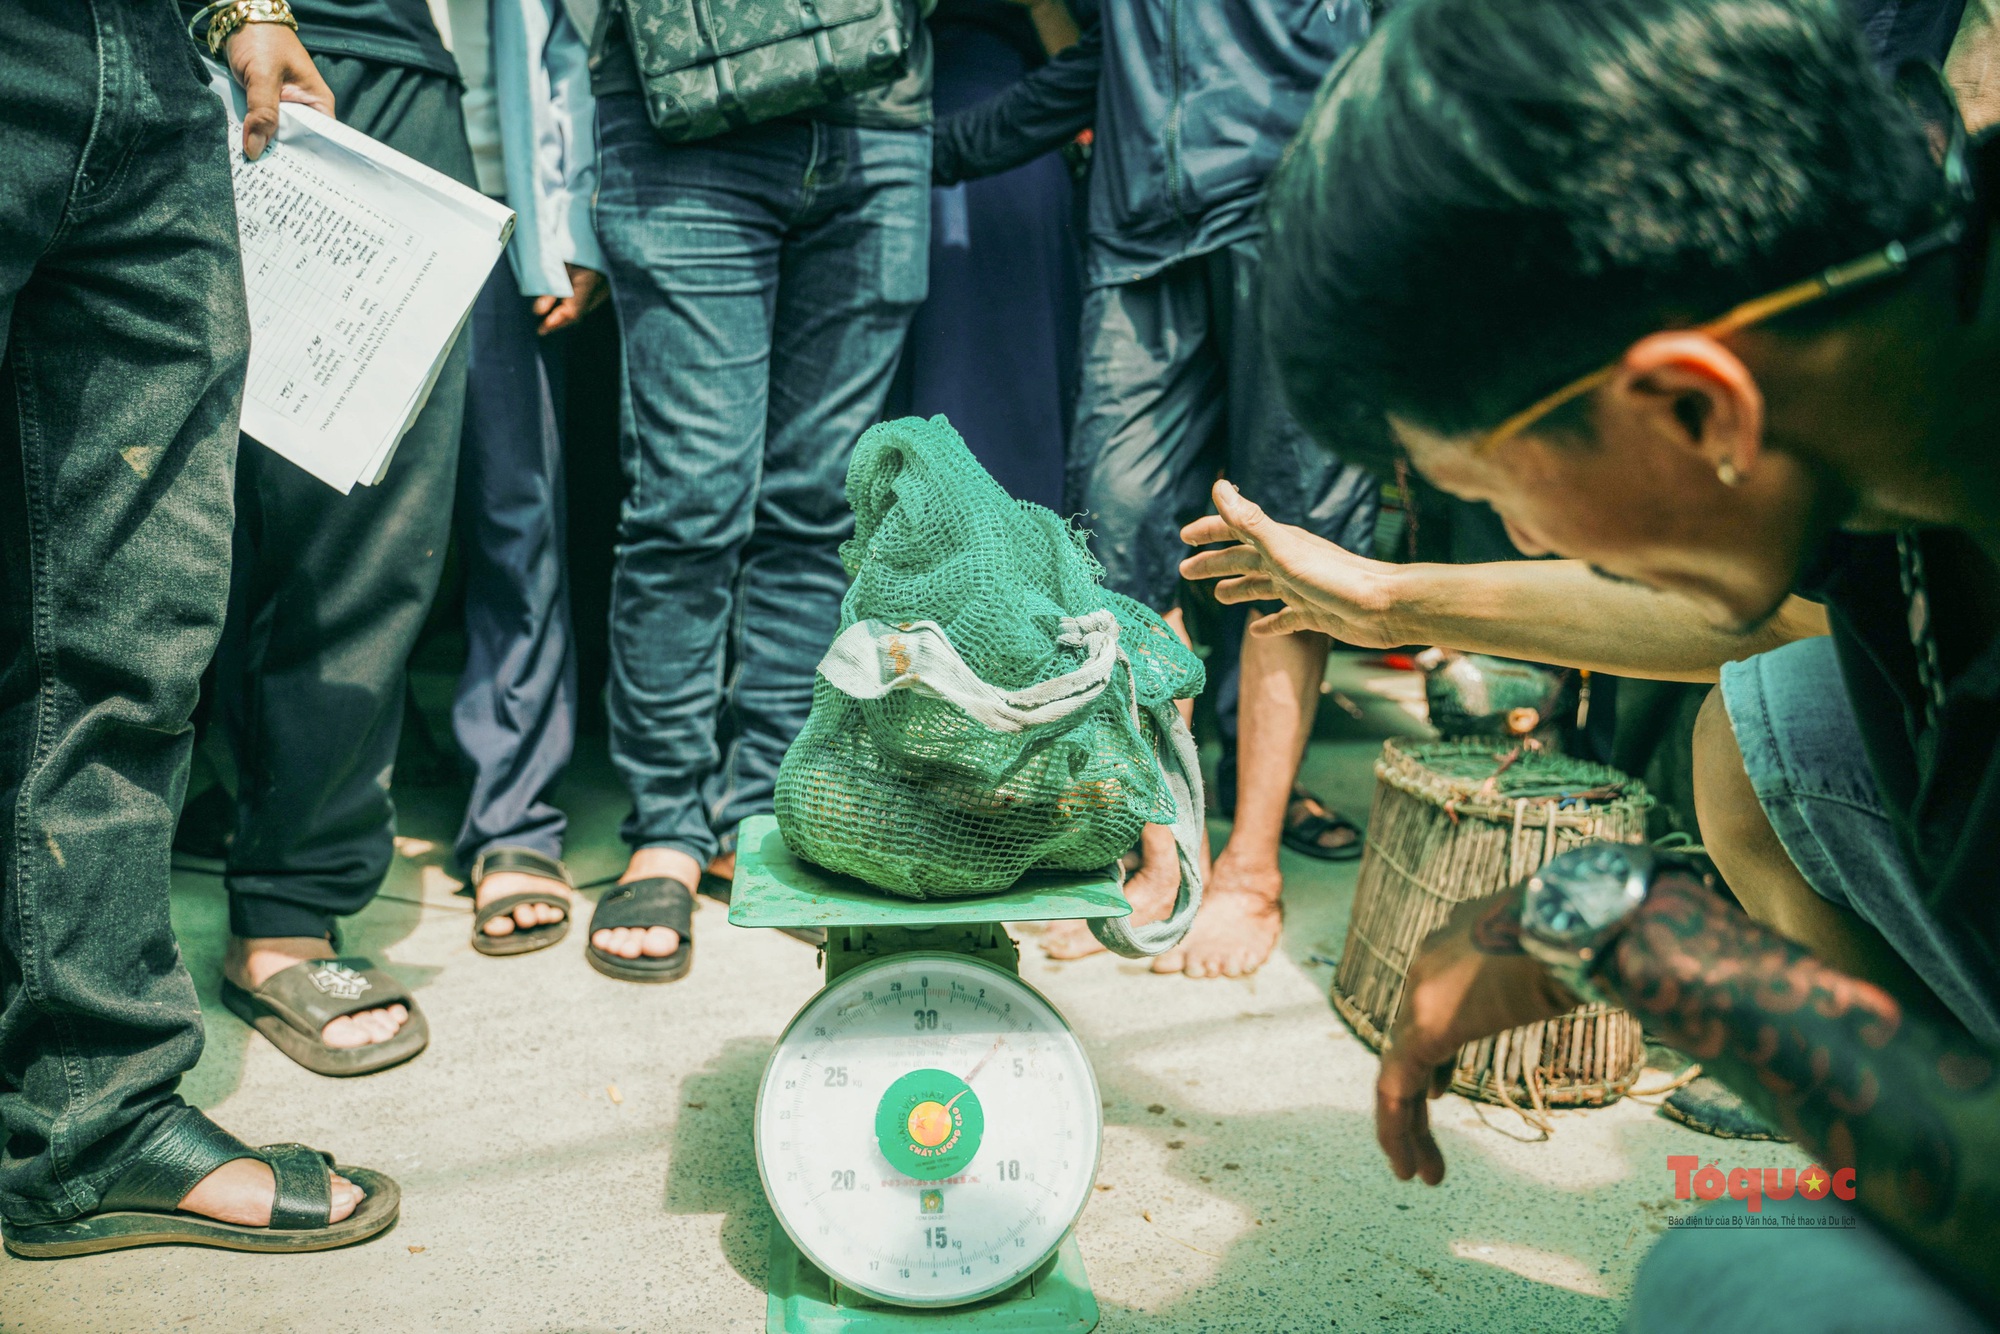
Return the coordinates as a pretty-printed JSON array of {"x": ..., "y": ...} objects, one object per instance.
[{"x": 873, "y": 658}]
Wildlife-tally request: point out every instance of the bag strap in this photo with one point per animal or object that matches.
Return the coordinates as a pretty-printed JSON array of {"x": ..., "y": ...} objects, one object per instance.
[{"x": 1180, "y": 765}]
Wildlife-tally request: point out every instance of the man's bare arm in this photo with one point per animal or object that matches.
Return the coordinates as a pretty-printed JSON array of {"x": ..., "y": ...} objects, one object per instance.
[
  {"x": 1556, "y": 612},
  {"x": 1562, "y": 612}
]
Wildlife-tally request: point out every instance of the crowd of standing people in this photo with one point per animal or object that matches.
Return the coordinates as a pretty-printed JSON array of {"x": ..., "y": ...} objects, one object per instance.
[{"x": 1061, "y": 201}]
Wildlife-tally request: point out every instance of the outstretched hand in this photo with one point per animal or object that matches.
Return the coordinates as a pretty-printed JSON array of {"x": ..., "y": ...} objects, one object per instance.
[
  {"x": 1470, "y": 980},
  {"x": 273, "y": 67},
  {"x": 1323, "y": 587}
]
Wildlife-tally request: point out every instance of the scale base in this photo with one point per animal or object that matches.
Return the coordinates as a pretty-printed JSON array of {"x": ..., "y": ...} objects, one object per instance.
[{"x": 1055, "y": 1299}]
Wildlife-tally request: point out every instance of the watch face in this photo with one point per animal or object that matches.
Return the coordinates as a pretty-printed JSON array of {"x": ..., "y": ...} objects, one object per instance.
[{"x": 1586, "y": 889}]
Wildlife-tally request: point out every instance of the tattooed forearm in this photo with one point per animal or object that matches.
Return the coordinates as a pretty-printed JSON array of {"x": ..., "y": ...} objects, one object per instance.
[
  {"x": 1910, "y": 1102},
  {"x": 1498, "y": 930}
]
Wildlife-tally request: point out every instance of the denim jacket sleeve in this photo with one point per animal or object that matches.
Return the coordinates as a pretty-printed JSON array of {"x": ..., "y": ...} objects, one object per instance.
[
  {"x": 541, "y": 73},
  {"x": 1042, "y": 112}
]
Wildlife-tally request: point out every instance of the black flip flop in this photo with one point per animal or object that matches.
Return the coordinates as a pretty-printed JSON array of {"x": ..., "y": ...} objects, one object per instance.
[
  {"x": 1707, "y": 1105},
  {"x": 294, "y": 1004},
  {"x": 522, "y": 939},
  {"x": 715, "y": 887},
  {"x": 140, "y": 1206},
  {"x": 1303, "y": 836},
  {"x": 655, "y": 901}
]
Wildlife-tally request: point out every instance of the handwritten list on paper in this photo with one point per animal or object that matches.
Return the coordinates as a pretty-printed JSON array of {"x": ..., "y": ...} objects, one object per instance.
[
  {"x": 360, "y": 266},
  {"x": 346, "y": 268}
]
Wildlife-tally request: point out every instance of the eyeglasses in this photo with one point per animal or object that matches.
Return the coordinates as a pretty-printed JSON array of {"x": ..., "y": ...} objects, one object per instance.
[{"x": 1931, "y": 101}]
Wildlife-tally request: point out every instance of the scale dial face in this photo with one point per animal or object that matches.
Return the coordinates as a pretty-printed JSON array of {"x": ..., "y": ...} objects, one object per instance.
[{"x": 928, "y": 1129}]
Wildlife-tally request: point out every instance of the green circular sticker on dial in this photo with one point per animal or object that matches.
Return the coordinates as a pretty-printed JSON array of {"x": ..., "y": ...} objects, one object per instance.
[{"x": 929, "y": 1124}]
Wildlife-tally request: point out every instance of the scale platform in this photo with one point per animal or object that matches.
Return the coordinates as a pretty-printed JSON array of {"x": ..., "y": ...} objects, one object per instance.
[{"x": 773, "y": 888}]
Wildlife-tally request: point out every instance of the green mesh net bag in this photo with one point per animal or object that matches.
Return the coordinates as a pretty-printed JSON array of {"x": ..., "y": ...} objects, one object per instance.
[{"x": 988, "y": 708}]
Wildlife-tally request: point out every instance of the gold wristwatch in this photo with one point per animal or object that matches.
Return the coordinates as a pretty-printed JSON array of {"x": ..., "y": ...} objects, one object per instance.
[{"x": 225, "y": 17}]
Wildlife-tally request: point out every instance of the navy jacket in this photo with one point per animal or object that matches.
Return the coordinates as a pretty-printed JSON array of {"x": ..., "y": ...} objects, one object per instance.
[{"x": 1192, "y": 100}]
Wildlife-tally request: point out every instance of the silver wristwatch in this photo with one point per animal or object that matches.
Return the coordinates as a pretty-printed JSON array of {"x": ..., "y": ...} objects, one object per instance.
[{"x": 1575, "y": 907}]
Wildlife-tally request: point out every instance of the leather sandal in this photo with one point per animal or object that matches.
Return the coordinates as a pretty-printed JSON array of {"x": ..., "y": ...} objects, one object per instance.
[
  {"x": 1303, "y": 835},
  {"x": 294, "y": 1004},
  {"x": 522, "y": 939},
  {"x": 141, "y": 1206},
  {"x": 655, "y": 901}
]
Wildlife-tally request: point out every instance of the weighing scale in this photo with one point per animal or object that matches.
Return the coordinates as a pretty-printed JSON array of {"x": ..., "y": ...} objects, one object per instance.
[{"x": 927, "y": 1128}]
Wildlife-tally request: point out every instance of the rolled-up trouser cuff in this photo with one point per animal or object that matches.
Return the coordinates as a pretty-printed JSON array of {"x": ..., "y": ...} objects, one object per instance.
[
  {"x": 142, "y": 1130},
  {"x": 252, "y": 916}
]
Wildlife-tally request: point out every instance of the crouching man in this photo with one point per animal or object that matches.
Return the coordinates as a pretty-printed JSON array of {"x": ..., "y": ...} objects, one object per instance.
[{"x": 1692, "y": 296}]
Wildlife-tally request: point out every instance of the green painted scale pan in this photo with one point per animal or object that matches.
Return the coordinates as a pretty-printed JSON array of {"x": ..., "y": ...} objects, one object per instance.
[{"x": 928, "y": 1126}]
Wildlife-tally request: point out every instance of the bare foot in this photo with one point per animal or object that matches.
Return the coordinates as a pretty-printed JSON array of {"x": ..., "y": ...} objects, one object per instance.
[
  {"x": 249, "y": 963},
  {"x": 500, "y": 884},
  {"x": 654, "y": 942},
  {"x": 241, "y": 1192},
  {"x": 1151, "y": 890},
  {"x": 1237, "y": 927}
]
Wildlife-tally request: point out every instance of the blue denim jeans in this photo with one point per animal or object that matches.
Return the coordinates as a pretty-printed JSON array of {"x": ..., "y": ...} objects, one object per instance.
[
  {"x": 764, "y": 281},
  {"x": 1803, "y": 752},
  {"x": 123, "y": 339},
  {"x": 1791, "y": 1273}
]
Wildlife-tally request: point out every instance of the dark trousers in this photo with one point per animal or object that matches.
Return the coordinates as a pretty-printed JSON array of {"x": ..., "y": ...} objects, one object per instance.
[
  {"x": 994, "y": 346},
  {"x": 328, "y": 594},
  {"x": 124, "y": 335},
  {"x": 1178, "y": 390},
  {"x": 515, "y": 713}
]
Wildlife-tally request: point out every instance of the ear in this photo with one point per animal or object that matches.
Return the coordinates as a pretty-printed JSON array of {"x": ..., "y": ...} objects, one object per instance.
[{"x": 1690, "y": 387}]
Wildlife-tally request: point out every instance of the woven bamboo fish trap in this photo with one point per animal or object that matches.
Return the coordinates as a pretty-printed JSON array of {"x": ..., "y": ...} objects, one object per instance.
[{"x": 1459, "y": 820}]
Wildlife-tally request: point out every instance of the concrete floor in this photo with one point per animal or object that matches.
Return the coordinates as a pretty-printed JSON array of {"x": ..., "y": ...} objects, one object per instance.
[{"x": 574, "y": 1152}]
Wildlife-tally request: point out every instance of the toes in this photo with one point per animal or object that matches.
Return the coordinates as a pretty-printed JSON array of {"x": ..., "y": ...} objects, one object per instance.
[
  {"x": 502, "y": 925},
  {"x": 625, "y": 942},
  {"x": 343, "y": 1032},
  {"x": 347, "y": 1198},
  {"x": 366, "y": 1028},
  {"x": 1173, "y": 961}
]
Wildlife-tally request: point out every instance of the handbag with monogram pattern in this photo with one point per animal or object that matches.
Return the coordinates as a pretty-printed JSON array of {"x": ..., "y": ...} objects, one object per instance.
[{"x": 710, "y": 66}]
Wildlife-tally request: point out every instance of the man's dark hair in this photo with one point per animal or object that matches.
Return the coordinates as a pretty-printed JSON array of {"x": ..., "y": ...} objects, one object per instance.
[{"x": 1495, "y": 196}]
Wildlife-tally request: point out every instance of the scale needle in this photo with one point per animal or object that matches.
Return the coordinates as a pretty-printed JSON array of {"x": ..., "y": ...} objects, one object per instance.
[{"x": 974, "y": 1073}]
